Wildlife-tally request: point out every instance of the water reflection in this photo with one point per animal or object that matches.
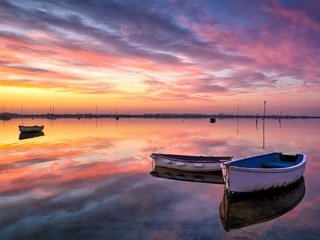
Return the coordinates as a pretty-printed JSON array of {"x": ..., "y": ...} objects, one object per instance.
[
  {"x": 174, "y": 174},
  {"x": 23, "y": 136},
  {"x": 238, "y": 212},
  {"x": 89, "y": 181},
  {"x": 263, "y": 134}
]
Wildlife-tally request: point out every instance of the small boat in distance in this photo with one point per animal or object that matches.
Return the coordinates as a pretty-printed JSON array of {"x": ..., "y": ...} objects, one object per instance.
[
  {"x": 212, "y": 120},
  {"x": 190, "y": 163},
  {"x": 4, "y": 117},
  {"x": 262, "y": 172},
  {"x": 30, "y": 129}
]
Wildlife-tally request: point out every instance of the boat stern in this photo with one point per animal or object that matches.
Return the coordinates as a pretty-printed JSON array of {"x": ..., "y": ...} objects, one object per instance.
[
  {"x": 153, "y": 156},
  {"x": 224, "y": 168}
]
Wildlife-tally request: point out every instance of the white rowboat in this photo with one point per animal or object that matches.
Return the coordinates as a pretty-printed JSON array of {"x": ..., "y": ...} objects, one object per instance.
[
  {"x": 189, "y": 163},
  {"x": 262, "y": 172},
  {"x": 29, "y": 129}
]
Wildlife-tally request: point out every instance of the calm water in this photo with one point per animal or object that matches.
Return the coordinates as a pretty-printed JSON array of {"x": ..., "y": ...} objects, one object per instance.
[{"x": 88, "y": 179}]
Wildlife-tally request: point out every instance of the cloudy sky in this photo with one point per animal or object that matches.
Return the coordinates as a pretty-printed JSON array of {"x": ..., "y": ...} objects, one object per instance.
[{"x": 160, "y": 56}]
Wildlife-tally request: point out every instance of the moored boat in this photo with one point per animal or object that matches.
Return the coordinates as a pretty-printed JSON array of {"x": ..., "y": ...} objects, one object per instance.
[
  {"x": 189, "y": 163},
  {"x": 29, "y": 129},
  {"x": 262, "y": 172},
  {"x": 4, "y": 117},
  {"x": 237, "y": 212}
]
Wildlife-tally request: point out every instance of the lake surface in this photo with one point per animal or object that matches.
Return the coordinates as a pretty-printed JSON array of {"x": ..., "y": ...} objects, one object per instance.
[{"x": 90, "y": 179}]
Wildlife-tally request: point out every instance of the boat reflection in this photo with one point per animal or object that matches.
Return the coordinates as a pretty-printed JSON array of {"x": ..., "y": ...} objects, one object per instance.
[
  {"x": 238, "y": 212},
  {"x": 23, "y": 136},
  {"x": 175, "y": 174}
]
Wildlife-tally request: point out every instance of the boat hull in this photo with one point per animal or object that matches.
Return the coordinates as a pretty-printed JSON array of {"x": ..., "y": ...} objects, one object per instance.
[
  {"x": 196, "y": 164},
  {"x": 30, "y": 129},
  {"x": 241, "y": 180}
]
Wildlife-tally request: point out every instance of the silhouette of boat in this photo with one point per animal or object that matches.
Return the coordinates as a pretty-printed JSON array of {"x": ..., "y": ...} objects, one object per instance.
[
  {"x": 29, "y": 129},
  {"x": 23, "y": 136},
  {"x": 190, "y": 176},
  {"x": 240, "y": 211},
  {"x": 4, "y": 117}
]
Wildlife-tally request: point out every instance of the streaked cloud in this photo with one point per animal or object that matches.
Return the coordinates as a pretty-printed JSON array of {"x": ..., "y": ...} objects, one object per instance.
[{"x": 175, "y": 50}]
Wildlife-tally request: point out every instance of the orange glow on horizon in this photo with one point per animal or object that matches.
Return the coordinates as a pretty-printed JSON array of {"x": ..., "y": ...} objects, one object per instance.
[{"x": 186, "y": 66}]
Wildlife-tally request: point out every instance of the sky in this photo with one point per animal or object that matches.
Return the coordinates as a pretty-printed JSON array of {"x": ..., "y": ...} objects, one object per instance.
[{"x": 160, "y": 56}]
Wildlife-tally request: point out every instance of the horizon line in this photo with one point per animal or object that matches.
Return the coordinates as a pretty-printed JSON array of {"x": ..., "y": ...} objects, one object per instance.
[{"x": 9, "y": 115}]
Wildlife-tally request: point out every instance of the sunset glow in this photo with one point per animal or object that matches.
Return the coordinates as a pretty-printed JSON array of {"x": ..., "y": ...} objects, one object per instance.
[{"x": 160, "y": 56}]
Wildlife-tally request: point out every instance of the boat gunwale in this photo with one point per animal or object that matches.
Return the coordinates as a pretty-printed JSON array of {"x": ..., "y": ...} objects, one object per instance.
[{"x": 34, "y": 126}]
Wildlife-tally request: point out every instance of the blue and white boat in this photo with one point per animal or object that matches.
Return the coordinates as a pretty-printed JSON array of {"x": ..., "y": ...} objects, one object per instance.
[{"x": 262, "y": 172}]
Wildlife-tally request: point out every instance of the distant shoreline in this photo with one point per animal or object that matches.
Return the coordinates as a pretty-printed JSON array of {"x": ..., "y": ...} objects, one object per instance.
[{"x": 8, "y": 116}]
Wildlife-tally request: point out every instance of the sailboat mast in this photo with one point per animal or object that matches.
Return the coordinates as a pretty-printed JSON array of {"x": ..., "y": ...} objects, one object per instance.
[
  {"x": 22, "y": 115},
  {"x": 264, "y": 109}
]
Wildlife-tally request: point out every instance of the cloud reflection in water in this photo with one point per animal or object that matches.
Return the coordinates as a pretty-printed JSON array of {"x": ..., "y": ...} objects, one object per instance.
[{"x": 80, "y": 182}]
